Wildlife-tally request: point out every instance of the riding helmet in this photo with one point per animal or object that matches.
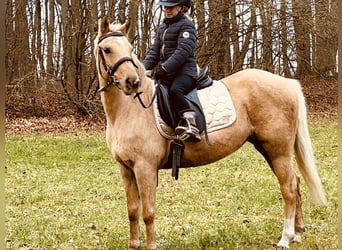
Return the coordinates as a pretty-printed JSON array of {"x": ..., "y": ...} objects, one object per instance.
[{"x": 171, "y": 3}]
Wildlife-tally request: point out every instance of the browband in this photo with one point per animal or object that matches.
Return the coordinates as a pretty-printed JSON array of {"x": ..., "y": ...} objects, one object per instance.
[{"x": 116, "y": 33}]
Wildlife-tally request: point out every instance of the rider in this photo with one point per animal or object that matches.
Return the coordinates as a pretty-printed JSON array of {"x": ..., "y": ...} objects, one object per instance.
[{"x": 174, "y": 50}]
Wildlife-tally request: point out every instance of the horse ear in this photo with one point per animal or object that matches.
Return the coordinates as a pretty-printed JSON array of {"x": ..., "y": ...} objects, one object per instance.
[
  {"x": 125, "y": 27},
  {"x": 104, "y": 25}
]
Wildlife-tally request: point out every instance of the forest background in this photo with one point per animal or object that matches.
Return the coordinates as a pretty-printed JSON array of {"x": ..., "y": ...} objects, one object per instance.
[
  {"x": 50, "y": 67},
  {"x": 51, "y": 81}
]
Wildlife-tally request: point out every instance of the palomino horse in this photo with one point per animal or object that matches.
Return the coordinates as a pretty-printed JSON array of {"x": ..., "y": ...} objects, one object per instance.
[{"x": 271, "y": 114}]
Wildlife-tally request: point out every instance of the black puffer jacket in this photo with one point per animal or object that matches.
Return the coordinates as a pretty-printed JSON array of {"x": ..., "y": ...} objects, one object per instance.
[{"x": 174, "y": 47}]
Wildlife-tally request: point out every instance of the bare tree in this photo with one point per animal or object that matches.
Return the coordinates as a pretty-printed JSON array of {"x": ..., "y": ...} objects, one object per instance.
[
  {"x": 18, "y": 43},
  {"x": 326, "y": 39},
  {"x": 50, "y": 42},
  {"x": 201, "y": 27},
  {"x": 50, "y": 24},
  {"x": 302, "y": 19},
  {"x": 144, "y": 34},
  {"x": 284, "y": 38}
]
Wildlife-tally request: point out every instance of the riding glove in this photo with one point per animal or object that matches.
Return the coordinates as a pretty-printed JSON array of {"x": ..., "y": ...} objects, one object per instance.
[{"x": 160, "y": 74}]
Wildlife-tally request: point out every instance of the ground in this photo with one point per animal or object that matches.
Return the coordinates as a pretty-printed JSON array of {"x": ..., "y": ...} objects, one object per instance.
[{"x": 321, "y": 98}]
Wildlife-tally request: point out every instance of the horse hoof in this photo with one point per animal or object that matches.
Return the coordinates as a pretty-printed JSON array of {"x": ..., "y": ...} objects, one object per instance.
[
  {"x": 297, "y": 238},
  {"x": 134, "y": 245},
  {"x": 153, "y": 247},
  {"x": 280, "y": 246}
]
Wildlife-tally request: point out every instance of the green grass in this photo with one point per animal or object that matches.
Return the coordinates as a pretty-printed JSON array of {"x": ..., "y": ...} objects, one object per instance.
[{"x": 65, "y": 192}]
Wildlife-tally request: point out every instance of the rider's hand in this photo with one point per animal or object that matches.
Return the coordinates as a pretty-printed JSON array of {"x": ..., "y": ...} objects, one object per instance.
[{"x": 160, "y": 74}]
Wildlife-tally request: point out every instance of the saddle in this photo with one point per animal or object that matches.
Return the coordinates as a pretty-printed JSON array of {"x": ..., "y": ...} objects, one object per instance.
[{"x": 170, "y": 116}]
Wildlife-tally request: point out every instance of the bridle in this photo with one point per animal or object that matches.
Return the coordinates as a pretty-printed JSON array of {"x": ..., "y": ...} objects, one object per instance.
[{"x": 111, "y": 70}]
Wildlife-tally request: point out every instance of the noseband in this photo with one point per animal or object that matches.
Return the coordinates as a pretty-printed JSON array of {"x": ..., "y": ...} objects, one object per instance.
[{"x": 111, "y": 70}]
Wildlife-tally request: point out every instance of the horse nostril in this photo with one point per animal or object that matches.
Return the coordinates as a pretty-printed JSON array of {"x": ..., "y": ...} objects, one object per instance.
[
  {"x": 136, "y": 83},
  {"x": 132, "y": 82}
]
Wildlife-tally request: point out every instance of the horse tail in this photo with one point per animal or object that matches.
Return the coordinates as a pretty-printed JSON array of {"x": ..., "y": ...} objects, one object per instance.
[{"x": 304, "y": 154}]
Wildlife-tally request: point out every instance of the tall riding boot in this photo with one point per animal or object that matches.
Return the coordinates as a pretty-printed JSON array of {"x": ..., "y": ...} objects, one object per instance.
[{"x": 187, "y": 127}]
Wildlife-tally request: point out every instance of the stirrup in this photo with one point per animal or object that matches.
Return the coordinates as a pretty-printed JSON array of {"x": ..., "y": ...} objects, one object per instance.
[
  {"x": 183, "y": 128},
  {"x": 190, "y": 132}
]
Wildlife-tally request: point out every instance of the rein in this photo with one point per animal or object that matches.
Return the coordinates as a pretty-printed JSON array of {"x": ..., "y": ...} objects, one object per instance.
[
  {"x": 137, "y": 95},
  {"x": 111, "y": 70}
]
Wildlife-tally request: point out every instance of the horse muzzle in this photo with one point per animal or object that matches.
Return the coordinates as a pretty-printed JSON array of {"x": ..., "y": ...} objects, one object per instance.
[{"x": 131, "y": 85}]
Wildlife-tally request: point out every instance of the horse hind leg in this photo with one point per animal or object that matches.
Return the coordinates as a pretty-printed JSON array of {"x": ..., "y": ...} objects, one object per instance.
[
  {"x": 286, "y": 176},
  {"x": 299, "y": 221},
  {"x": 133, "y": 206},
  {"x": 293, "y": 223}
]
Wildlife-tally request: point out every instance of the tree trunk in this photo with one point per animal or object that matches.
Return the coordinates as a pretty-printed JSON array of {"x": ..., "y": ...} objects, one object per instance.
[
  {"x": 22, "y": 61},
  {"x": 39, "y": 49},
  {"x": 224, "y": 57},
  {"x": 234, "y": 36},
  {"x": 302, "y": 18},
  {"x": 214, "y": 47},
  {"x": 50, "y": 23},
  {"x": 133, "y": 16},
  {"x": 122, "y": 11},
  {"x": 146, "y": 15},
  {"x": 201, "y": 32},
  {"x": 283, "y": 38},
  {"x": 246, "y": 40},
  {"x": 10, "y": 42},
  {"x": 266, "y": 20},
  {"x": 326, "y": 37}
]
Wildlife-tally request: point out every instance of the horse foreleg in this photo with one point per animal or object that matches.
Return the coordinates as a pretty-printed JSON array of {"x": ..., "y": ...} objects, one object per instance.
[
  {"x": 288, "y": 186},
  {"x": 147, "y": 182},
  {"x": 133, "y": 205}
]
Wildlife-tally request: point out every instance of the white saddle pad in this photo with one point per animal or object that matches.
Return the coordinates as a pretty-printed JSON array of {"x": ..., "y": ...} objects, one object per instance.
[{"x": 217, "y": 106}]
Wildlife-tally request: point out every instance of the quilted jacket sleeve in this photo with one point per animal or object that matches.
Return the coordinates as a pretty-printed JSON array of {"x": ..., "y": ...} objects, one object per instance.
[{"x": 153, "y": 56}]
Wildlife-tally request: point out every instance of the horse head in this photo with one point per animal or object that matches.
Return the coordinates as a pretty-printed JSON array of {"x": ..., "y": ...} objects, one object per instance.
[{"x": 115, "y": 61}]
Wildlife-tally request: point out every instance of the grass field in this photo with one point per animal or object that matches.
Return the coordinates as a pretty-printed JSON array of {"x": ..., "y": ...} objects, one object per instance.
[{"x": 64, "y": 191}]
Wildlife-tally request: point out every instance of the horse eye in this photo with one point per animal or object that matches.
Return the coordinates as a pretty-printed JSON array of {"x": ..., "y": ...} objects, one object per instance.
[{"x": 107, "y": 50}]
